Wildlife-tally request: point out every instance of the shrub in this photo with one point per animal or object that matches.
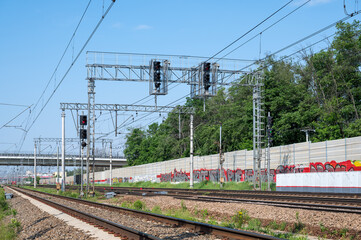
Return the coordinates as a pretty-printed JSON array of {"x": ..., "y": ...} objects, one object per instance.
[
  {"x": 126, "y": 204},
  {"x": 298, "y": 226},
  {"x": 139, "y": 205},
  {"x": 240, "y": 218},
  {"x": 156, "y": 209},
  {"x": 254, "y": 224},
  {"x": 183, "y": 206}
]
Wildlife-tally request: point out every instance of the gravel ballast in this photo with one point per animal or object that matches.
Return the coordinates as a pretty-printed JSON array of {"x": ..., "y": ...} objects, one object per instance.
[
  {"x": 154, "y": 228},
  {"x": 224, "y": 211},
  {"x": 312, "y": 219},
  {"x": 37, "y": 224}
]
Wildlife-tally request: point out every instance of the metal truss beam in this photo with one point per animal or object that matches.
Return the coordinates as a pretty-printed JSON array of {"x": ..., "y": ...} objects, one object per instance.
[
  {"x": 139, "y": 73},
  {"x": 126, "y": 107},
  {"x": 51, "y": 160}
]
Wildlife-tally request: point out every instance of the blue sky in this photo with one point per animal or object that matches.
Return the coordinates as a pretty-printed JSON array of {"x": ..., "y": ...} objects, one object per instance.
[{"x": 34, "y": 35}]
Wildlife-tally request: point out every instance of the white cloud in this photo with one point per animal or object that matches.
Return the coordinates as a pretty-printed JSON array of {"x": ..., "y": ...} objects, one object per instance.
[{"x": 143, "y": 27}]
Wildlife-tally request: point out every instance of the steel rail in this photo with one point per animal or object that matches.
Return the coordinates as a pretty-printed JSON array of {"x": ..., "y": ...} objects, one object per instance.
[
  {"x": 175, "y": 222},
  {"x": 306, "y": 206},
  {"x": 351, "y": 195},
  {"x": 341, "y": 198},
  {"x": 253, "y": 199},
  {"x": 115, "y": 228},
  {"x": 299, "y": 195}
]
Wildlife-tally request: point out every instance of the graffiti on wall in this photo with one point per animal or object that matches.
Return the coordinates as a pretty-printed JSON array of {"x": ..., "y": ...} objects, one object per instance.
[
  {"x": 333, "y": 166},
  {"x": 240, "y": 175},
  {"x": 121, "y": 179},
  {"x": 214, "y": 175}
]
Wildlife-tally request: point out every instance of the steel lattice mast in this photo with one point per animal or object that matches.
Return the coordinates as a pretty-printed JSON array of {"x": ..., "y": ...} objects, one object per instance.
[{"x": 258, "y": 128}]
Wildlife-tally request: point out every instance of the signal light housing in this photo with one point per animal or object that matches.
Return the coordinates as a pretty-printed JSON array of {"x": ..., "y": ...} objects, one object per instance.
[
  {"x": 206, "y": 75},
  {"x": 207, "y": 66},
  {"x": 156, "y": 66},
  {"x": 83, "y": 134},
  {"x": 83, "y": 120}
]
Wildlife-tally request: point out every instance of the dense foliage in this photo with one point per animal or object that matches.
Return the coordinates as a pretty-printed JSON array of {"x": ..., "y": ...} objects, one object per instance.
[{"x": 320, "y": 91}]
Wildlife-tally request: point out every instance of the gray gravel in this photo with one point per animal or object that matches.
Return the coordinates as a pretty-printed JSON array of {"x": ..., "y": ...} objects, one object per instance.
[
  {"x": 158, "y": 229},
  {"x": 37, "y": 224}
]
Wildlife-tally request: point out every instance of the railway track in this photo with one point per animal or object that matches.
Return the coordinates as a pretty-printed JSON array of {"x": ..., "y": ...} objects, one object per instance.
[
  {"x": 342, "y": 204},
  {"x": 244, "y": 196},
  {"x": 306, "y": 206},
  {"x": 199, "y": 229},
  {"x": 331, "y": 196},
  {"x": 111, "y": 227}
]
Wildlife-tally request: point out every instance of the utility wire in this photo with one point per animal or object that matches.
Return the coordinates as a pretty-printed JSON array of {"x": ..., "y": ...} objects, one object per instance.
[
  {"x": 276, "y": 61},
  {"x": 15, "y": 105},
  {"x": 229, "y": 45},
  {"x": 66, "y": 49},
  {"x": 266, "y": 28},
  {"x": 250, "y": 30},
  {"x": 70, "y": 67},
  {"x": 15, "y": 117},
  {"x": 305, "y": 38}
]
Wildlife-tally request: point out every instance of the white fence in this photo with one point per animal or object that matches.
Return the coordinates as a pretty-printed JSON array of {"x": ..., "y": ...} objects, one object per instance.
[{"x": 340, "y": 182}]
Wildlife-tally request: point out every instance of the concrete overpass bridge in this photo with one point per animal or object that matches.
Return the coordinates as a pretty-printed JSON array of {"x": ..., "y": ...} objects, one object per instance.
[{"x": 14, "y": 159}]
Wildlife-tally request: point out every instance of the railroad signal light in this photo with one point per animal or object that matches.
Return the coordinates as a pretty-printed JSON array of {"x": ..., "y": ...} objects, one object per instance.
[
  {"x": 207, "y": 84},
  {"x": 157, "y": 74},
  {"x": 83, "y": 134},
  {"x": 157, "y": 79},
  {"x": 207, "y": 66},
  {"x": 83, "y": 120},
  {"x": 206, "y": 75},
  {"x": 83, "y": 144},
  {"x": 156, "y": 66},
  {"x": 269, "y": 132}
]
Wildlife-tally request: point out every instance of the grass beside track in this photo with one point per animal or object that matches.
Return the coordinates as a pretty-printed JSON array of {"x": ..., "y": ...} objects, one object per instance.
[
  {"x": 9, "y": 227},
  {"x": 67, "y": 193}
]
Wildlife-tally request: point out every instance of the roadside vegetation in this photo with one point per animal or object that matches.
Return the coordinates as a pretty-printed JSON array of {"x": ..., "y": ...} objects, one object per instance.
[
  {"x": 241, "y": 220},
  {"x": 9, "y": 226},
  {"x": 67, "y": 193}
]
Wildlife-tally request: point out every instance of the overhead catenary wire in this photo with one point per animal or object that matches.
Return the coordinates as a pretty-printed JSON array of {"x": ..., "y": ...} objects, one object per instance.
[
  {"x": 305, "y": 38},
  {"x": 297, "y": 42},
  {"x": 15, "y": 117},
  {"x": 249, "y": 31},
  {"x": 68, "y": 70},
  {"x": 291, "y": 45},
  {"x": 188, "y": 94},
  {"x": 15, "y": 105},
  {"x": 232, "y": 43},
  {"x": 218, "y": 59},
  {"x": 65, "y": 50},
  {"x": 264, "y": 30}
]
